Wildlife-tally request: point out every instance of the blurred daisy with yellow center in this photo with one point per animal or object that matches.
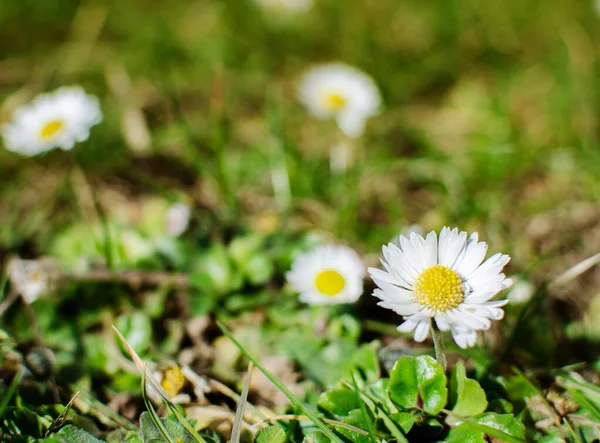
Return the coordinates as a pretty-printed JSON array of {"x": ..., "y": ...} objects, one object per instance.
[
  {"x": 340, "y": 92},
  {"x": 445, "y": 280},
  {"x": 328, "y": 275},
  {"x": 53, "y": 120}
]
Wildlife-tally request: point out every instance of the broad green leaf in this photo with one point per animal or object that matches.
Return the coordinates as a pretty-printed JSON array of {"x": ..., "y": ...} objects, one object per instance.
[
  {"x": 121, "y": 436},
  {"x": 510, "y": 428},
  {"x": 464, "y": 433},
  {"x": 316, "y": 437},
  {"x": 73, "y": 434},
  {"x": 272, "y": 434},
  {"x": 467, "y": 396},
  {"x": 259, "y": 269},
  {"x": 212, "y": 271},
  {"x": 414, "y": 377},
  {"x": 552, "y": 438},
  {"x": 355, "y": 418},
  {"x": 405, "y": 420},
  {"x": 338, "y": 401},
  {"x": 403, "y": 388},
  {"x": 137, "y": 330},
  {"x": 151, "y": 433}
]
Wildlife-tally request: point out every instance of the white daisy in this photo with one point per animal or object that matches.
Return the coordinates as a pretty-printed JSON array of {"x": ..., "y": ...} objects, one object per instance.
[
  {"x": 340, "y": 92},
  {"x": 443, "y": 280},
  {"x": 328, "y": 275},
  {"x": 285, "y": 6},
  {"x": 177, "y": 219},
  {"x": 53, "y": 120}
]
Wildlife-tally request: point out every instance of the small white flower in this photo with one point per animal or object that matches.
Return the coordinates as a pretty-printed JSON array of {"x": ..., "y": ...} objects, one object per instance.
[
  {"x": 521, "y": 292},
  {"x": 52, "y": 120},
  {"x": 328, "y": 275},
  {"x": 340, "y": 92},
  {"x": 33, "y": 278},
  {"x": 443, "y": 280},
  {"x": 177, "y": 219},
  {"x": 285, "y": 6}
]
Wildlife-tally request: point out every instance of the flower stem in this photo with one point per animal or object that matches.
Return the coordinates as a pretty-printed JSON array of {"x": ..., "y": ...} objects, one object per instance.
[{"x": 438, "y": 345}]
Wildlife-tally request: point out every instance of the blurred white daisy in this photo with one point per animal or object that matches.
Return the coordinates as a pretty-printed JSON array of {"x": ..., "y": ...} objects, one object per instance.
[
  {"x": 328, "y": 275},
  {"x": 52, "y": 120},
  {"x": 177, "y": 219},
  {"x": 521, "y": 292},
  {"x": 285, "y": 6},
  {"x": 443, "y": 280},
  {"x": 340, "y": 92}
]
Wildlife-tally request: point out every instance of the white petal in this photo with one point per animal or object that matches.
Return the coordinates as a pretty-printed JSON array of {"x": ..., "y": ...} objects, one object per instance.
[
  {"x": 422, "y": 330},
  {"x": 399, "y": 263},
  {"x": 465, "y": 338},
  {"x": 451, "y": 245},
  {"x": 378, "y": 275},
  {"x": 393, "y": 293},
  {"x": 431, "y": 250},
  {"x": 408, "y": 325},
  {"x": 400, "y": 308},
  {"x": 474, "y": 255}
]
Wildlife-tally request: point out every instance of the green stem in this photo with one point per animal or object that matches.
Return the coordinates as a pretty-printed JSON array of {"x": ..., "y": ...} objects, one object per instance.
[{"x": 438, "y": 344}]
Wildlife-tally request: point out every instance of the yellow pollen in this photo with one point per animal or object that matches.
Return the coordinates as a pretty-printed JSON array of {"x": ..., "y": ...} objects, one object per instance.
[
  {"x": 439, "y": 288},
  {"x": 173, "y": 380},
  {"x": 330, "y": 282},
  {"x": 334, "y": 101},
  {"x": 51, "y": 128}
]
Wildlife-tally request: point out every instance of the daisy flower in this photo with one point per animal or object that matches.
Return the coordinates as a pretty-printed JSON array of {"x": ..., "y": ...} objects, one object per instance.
[
  {"x": 285, "y": 6},
  {"x": 340, "y": 92},
  {"x": 53, "y": 120},
  {"x": 177, "y": 219},
  {"x": 444, "y": 280},
  {"x": 328, "y": 275}
]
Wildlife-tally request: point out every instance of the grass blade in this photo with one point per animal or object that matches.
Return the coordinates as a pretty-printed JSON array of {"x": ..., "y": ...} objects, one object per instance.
[
  {"x": 153, "y": 415},
  {"x": 291, "y": 397},
  {"x": 10, "y": 392},
  {"x": 141, "y": 366},
  {"x": 58, "y": 422},
  {"x": 239, "y": 413},
  {"x": 363, "y": 409}
]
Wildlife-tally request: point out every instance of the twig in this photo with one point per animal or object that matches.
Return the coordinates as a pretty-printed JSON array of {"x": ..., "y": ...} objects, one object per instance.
[{"x": 133, "y": 278}]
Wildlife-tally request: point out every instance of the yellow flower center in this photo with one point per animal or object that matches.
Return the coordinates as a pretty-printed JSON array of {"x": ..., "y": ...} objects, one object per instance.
[
  {"x": 334, "y": 101},
  {"x": 439, "y": 288},
  {"x": 51, "y": 128},
  {"x": 330, "y": 282},
  {"x": 173, "y": 380}
]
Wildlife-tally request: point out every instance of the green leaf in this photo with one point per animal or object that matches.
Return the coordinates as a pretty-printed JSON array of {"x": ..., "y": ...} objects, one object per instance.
[
  {"x": 73, "y": 434},
  {"x": 355, "y": 418},
  {"x": 405, "y": 420},
  {"x": 316, "y": 437},
  {"x": 272, "y": 434},
  {"x": 137, "y": 330},
  {"x": 506, "y": 423},
  {"x": 504, "y": 427},
  {"x": 552, "y": 438},
  {"x": 259, "y": 269},
  {"x": 338, "y": 401},
  {"x": 151, "y": 433},
  {"x": 464, "y": 433},
  {"x": 212, "y": 271},
  {"x": 422, "y": 376},
  {"x": 467, "y": 396}
]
